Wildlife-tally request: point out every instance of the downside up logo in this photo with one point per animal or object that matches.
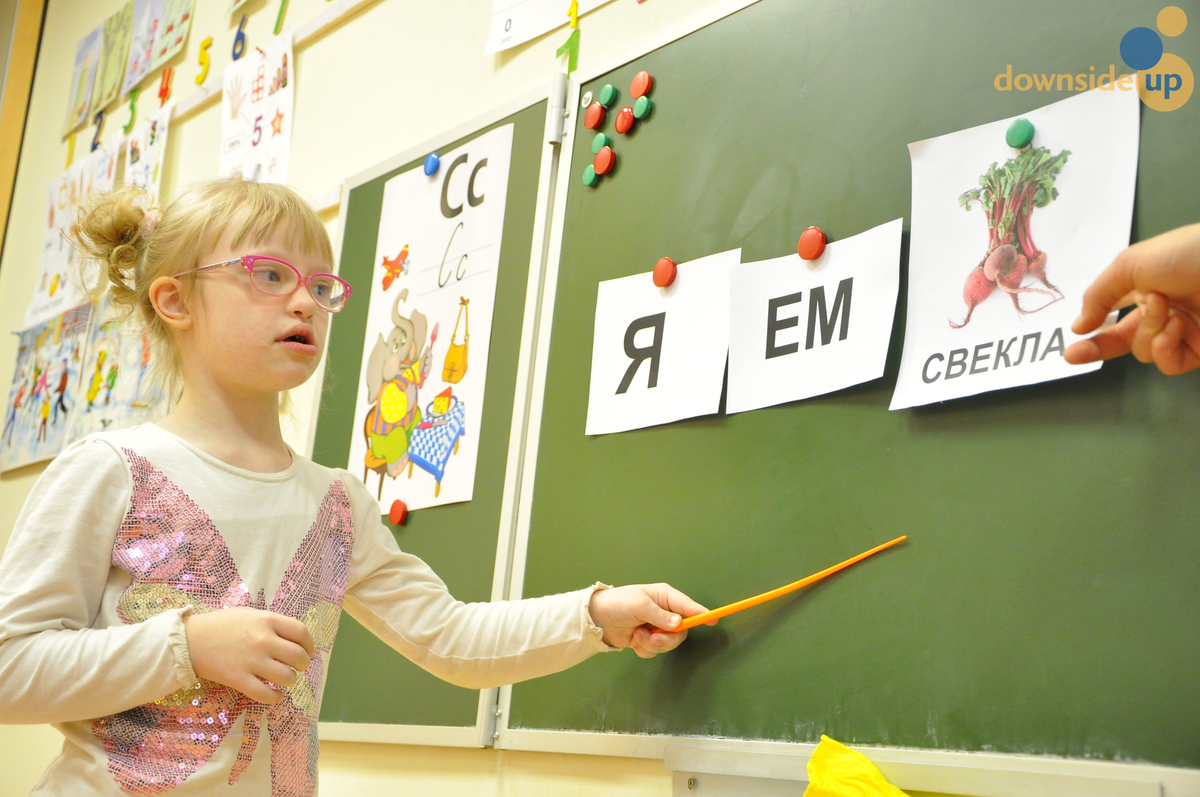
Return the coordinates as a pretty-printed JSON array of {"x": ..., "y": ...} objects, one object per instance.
[{"x": 1164, "y": 80}]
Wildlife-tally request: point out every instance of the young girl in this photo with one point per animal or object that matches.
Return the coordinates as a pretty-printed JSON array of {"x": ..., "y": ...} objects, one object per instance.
[{"x": 170, "y": 588}]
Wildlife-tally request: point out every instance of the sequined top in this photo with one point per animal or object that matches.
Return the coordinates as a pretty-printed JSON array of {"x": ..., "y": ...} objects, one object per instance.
[{"x": 128, "y": 532}]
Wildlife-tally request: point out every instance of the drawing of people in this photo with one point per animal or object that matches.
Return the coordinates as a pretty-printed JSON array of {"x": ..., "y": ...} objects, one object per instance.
[
  {"x": 45, "y": 413},
  {"x": 97, "y": 380},
  {"x": 62, "y": 393},
  {"x": 110, "y": 381}
]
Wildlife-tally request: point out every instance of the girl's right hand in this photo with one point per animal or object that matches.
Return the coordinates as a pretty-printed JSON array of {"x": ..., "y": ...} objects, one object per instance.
[{"x": 242, "y": 648}]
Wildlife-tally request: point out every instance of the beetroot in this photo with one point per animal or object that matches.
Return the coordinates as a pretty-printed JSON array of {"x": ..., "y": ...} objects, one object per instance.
[{"x": 978, "y": 288}]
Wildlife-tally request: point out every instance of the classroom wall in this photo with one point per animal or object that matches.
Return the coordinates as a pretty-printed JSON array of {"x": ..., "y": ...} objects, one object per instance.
[{"x": 395, "y": 75}]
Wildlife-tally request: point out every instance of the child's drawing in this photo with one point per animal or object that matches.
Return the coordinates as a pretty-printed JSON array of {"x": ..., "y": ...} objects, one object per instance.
[{"x": 87, "y": 60}]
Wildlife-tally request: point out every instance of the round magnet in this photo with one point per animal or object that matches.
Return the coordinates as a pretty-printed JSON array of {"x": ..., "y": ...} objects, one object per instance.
[
  {"x": 607, "y": 95},
  {"x": 641, "y": 85},
  {"x": 811, "y": 244},
  {"x": 398, "y": 513},
  {"x": 600, "y": 142},
  {"x": 1020, "y": 134},
  {"x": 625, "y": 119},
  {"x": 432, "y": 162},
  {"x": 643, "y": 107},
  {"x": 664, "y": 272},
  {"x": 605, "y": 160},
  {"x": 590, "y": 178},
  {"x": 585, "y": 100},
  {"x": 593, "y": 117}
]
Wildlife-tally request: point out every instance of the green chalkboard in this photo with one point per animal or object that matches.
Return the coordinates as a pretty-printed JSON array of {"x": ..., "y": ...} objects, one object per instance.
[
  {"x": 1049, "y": 599},
  {"x": 368, "y": 682}
]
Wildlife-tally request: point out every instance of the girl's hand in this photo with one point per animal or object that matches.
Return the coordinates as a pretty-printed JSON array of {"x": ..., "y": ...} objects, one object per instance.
[
  {"x": 624, "y": 614},
  {"x": 241, "y": 648}
]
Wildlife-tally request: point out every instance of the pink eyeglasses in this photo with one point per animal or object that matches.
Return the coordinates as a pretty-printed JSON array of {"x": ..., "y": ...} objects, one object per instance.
[{"x": 276, "y": 277}]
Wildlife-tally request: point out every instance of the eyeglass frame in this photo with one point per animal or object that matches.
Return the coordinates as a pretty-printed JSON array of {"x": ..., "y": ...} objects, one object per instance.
[{"x": 247, "y": 262}]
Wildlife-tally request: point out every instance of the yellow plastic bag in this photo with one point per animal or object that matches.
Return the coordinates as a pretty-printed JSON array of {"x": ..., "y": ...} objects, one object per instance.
[{"x": 837, "y": 771}]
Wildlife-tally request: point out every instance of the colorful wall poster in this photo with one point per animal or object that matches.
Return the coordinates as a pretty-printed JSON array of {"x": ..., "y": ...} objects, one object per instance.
[
  {"x": 517, "y": 21},
  {"x": 115, "y": 389},
  {"x": 41, "y": 398},
  {"x": 146, "y": 150},
  {"x": 114, "y": 54},
  {"x": 59, "y": 285},
  {"x": 173, "y": 32},
  {"x": 256, "y": 113},
  {"x": 658, "y": 354},
  {"x": 800, "y": 329},
  {"x": 147, "y": 22},
  {"x": 429, "y": 320},
  {"x": 87, "y": 60},
  {"x": 1005, "y": 242}
]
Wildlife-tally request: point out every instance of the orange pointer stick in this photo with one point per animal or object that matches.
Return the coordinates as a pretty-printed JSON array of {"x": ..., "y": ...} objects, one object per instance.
[{"x": 725, "y": 611}]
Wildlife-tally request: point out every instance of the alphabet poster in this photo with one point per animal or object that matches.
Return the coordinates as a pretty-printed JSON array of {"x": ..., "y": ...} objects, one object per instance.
[
  {"x": 658, "y": 354},
  {"x": 1005, "y": 242},
  {"x": 429, "y": 320},
  {"x": 58, "y": 286},
  {"x": 256, "y": 113},
  {"x": 41, "y": 398},
  {"x": 517, "y": 21},
  {"x": 800, "y": 329}
]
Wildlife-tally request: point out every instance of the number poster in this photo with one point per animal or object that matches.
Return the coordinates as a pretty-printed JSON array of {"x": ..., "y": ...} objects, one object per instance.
[{"x": 256, "y": 113}]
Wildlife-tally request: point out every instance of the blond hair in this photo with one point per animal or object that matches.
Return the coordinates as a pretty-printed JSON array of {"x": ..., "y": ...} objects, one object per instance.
[{"x": 135, "y": 244}]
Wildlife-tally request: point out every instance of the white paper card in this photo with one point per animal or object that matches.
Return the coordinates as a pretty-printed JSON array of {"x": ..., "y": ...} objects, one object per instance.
[
  {"x": 517, "y": 21},
  {"x": 658, "y": 354},
  {"x": 425, "y": 355},
  {"x": 146, "y": 151},
  {"x": 801, "y": 329},
  {"x": 256, "y": 113},
  {"x": 1081, "y": 230}
]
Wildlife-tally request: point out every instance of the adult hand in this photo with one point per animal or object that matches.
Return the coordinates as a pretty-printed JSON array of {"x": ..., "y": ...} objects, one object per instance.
[
  {"x": 627, "y": 615},
  {"x": 241, "y": 648},
  {"x": 1162, "y": 276}
]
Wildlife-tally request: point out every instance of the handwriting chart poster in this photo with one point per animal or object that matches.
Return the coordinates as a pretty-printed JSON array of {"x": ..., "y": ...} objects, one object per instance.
[
  {"x": 517, "y": 21},
  {"x": 256, "y": 113},
  {"x": 114, "y": 54},
  {"x": 147, "y": 22},
  {"x": 59, "y": 283},
  {"x": 800, "y": 329},
  {"x": 658, "y": 354},
  {"x": 87, "y": 60},
  {"x": 41, "y": 398},
  {"x": 146, "y": 150},
  {"x": 1005, "y": 242},
  {"x": 115, "y": 389},
  {"x": 429, "y": 320}
]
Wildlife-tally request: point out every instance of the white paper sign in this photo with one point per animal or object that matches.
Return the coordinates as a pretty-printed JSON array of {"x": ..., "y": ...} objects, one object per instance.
[
  {"x": 801, "y": 329},
  {"x": 146, "y": 150},
  {"x": 658, "y": 354},
  {"x": 256, "y": 113},
  {"x": 517, "y": 21},
  {"x": 1015, "y": 336},
  {"x": 425, "y": 356}
]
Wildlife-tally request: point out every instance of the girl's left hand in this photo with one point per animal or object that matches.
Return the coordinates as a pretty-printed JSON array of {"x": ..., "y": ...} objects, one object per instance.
[{"x": 626, "y": 615}]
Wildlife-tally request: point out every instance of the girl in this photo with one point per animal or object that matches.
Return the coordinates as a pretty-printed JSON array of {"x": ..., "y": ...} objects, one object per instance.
[{"x": 170, "y": 588}]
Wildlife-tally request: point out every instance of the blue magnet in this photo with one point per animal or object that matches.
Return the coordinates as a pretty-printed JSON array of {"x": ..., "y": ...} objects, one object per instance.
[{"x": 432, "y": 163}]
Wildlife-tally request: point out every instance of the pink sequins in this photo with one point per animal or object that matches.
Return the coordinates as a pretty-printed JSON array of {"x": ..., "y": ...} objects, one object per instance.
[{"x": 176, "y": 557}]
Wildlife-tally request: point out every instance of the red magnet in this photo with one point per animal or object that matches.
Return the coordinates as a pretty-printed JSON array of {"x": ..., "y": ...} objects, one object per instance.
[
  {"x": 593, "y": 117},
  {"x": 625, "y": 119},
  {"x": 399, "y": 513},
  {"x": 812, "y": 243},
  {"x": 641, "y": 85},
  {"x": 605, "y": 160},
  {"x": 664, "y": 272}
]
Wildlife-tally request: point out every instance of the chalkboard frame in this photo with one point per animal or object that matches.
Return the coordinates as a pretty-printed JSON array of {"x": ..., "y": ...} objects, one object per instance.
[
  {"x": 480, "y": 734},
  {"x": 996, "y": 774}
]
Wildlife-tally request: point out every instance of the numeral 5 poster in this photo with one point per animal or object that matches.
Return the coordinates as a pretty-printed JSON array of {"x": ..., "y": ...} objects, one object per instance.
[
  {"x": 256, "y": 113},
  {"x": 425, "y": 354}
]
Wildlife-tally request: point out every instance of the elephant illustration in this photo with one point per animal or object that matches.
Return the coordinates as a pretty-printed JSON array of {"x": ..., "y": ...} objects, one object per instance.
[{"x": 396, "y": 370}]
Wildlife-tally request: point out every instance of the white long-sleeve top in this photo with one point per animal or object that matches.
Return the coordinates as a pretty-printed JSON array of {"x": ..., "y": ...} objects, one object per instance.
[{"x": 127, "y": 532}]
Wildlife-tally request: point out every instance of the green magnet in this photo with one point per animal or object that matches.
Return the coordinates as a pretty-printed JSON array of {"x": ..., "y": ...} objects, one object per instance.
[
  {"x": 1020, "y": 134},
  {"x": 644, "y": 107},
  {"x": 600, "y": 142},
  {"x": 607, "y": 95},
  {"x": 590, "y": 178}
]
